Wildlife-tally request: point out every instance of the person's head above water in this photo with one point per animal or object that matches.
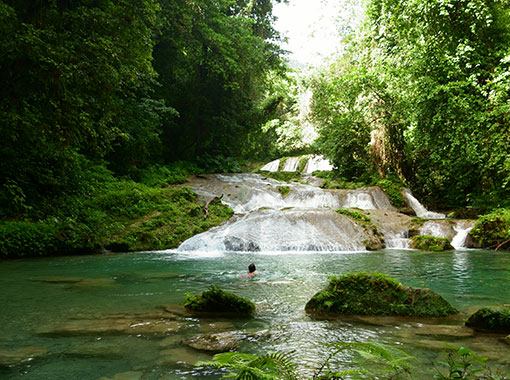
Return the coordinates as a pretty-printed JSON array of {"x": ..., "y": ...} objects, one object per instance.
[{"x": 251, "y": 268}]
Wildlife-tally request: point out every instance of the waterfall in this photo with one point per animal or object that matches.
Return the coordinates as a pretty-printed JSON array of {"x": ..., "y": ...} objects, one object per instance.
[
  {"x": 460, "y": 239},
  {"x": 317, "y": 163},
  {"x": 285, "y": 230},
  {"x": 314, "y": 163},
  {"x": 304, "y": 219},
  {"x": 436, "y": 229},
  {"x": 419, "y": 209},
  {"x": 264, "y": 220},
  {"x": 291, "y": 164},
  {"x": 271, "y": 166}
]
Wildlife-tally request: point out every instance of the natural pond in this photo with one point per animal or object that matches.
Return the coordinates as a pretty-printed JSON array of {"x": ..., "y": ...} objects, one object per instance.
[{"x": 113, "y": 316}]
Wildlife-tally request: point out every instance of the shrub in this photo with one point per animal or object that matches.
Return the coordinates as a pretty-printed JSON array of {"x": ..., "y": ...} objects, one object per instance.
[
  {"x": 493, "y": 230},
  {"x": 19, "y": 239}
]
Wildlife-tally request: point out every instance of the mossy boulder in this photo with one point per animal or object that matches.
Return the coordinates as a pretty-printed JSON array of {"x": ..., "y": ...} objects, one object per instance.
[
  {"x": 376, "y": 294},
  {"x": 217, "y": 301},
  {"x": 431, "y": 243},
  {"x": 492, "y": 319}
]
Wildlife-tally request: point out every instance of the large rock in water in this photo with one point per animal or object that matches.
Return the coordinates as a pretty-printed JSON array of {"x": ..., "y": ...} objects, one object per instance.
[
  {"x": 492, "y": 319},
  {"x": 377, "y": 294},
  {"x": 217, "y": 301}
]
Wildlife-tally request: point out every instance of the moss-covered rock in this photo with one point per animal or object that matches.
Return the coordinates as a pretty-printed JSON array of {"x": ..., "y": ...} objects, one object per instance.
[
  {"x": 376, "y": 294},
  {"x": 431, "y": 243},
  {"x": 217, "y": 301},
  {"x": 493, "y": 319}
]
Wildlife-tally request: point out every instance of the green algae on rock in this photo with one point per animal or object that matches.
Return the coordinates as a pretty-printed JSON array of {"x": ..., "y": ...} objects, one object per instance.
[
  {"x": 376, "y": 294},
  {"x": 431, "y": 243},
  {"x": 217, "y": 301},
  {"x": 494, "y": 319}
]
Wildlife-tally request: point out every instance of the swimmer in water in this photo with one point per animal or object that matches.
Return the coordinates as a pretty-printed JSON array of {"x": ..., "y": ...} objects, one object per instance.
[{"x": 251, "y": 271}]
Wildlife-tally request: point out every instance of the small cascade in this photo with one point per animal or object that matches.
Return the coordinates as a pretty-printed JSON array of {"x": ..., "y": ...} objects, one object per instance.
[
  {"x": 370, "y": 198},
  {"x": 291, "y": 164},
  {"x": 317, "y": 163},
  {"x": 419, "y": 209},
  {"x": 314, "y": 163},
  {"x": 398, "y": 241},
  {"x": 459, "y": 241},
  {"x": 436, "y": 229},
  {"x": 271, "y": 166}
]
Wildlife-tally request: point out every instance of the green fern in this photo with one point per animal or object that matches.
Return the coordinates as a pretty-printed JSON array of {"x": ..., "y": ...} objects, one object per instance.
[
  {"x": 271, "y": 366},
  {"x": 375, "y": 360}
]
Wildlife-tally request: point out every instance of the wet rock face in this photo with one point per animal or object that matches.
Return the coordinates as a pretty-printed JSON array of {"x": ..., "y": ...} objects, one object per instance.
[
  {"x": 236, "y": 244},
  {"x": 376, "y": 294},
  {"x": 492, "y": 319},
  {"x": 216, "y": 342}
]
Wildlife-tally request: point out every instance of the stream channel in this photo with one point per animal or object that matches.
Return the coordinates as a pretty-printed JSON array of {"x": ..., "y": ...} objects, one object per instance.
[{"x": 117, "y": 316}]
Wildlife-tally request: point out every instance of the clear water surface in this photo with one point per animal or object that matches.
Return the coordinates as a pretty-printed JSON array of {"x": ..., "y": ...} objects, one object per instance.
[{"x": 40, "y": 295}]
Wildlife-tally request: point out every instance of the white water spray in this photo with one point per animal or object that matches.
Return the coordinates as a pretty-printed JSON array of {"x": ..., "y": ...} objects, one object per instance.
[
  {"x": 271, "y": 166},
  {"x": 419, "y": 209},
  {"x": 460, "y": 239}
]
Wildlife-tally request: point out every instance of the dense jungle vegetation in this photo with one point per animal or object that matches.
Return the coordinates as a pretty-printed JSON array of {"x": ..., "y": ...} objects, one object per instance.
[
  {"x": 423, "y": 92},
  {"x": 98, "y": 95}
]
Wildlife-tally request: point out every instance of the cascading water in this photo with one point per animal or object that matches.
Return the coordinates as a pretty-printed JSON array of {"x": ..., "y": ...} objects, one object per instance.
[
  {"x": 265, "y": 220},
  {"x": 305, "y": 218},
  {"x": 419, "y": 209},
  {"x": 286, "y": 230},
  {"x": 271, "y": 166},
  {"x": 459, "y": 241},
  {"x": 314, "y": 163},
  {"x": 317, "y": 163},
  {"x": 291, "y": 164}
]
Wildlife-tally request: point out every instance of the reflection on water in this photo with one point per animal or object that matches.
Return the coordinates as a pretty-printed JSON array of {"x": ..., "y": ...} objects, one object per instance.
[{"x": 100, "y": 316}]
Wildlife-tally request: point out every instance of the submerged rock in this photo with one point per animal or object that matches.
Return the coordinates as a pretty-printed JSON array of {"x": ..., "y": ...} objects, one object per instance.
[
  {"x": 217, "y": 301},
  {"x": 115, "y": 324},
  {"x": 492, "y": 319},
  {"x": 377, "y": 294},
  {"x": 21, "y": 355},
  {"x": 131, "y": 375},
  {"x": 218, "y": 342},
  {"x": 183, "y": 355}
]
